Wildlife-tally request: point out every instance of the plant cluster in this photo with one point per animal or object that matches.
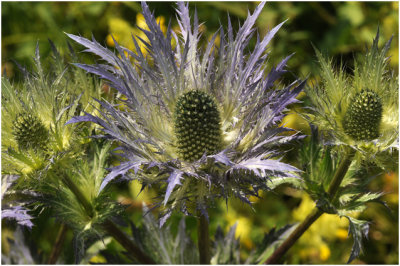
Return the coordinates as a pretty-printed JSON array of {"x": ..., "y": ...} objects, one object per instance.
[{"x": 197, "y": 125}]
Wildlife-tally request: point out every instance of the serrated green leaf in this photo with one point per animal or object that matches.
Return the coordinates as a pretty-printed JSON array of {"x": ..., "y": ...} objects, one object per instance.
[
  {"x": 184, "y": 250},
  {"x": 226, "y": 248},
  {"x": 161, "y": 245},
  {"x": 274, "y": 182},
  {"x": 358, "y": 202},
  {"x": 358, "y": 229}
]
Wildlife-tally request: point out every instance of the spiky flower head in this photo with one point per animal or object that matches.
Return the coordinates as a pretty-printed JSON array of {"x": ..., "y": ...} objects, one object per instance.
[
  {"x": 202, "y": 121},
  {"x": 359, "y": 110},
  {"x": 29, "y": 132},
  {"x": 39, "y": 152},
  {"x": 363, "y": 116},
  {"x": 197, "y": 125}
]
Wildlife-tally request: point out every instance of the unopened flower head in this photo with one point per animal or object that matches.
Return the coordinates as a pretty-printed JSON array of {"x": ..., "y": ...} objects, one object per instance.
[
  {"x": 40, "y": 153},
  {"x": 360, "y": 110},
  {"x": 34, "y": 113},
  {"x": 202, "y": 121}
]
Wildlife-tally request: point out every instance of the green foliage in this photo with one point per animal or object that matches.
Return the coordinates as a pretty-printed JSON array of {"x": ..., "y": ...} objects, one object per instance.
[
  {"x": 160, "y": 243},
  {"x": 320, "y": 163},
  {"x": 54, "y": 176},
  {"x": 87, "y": 174},
  {"x": 60, "y": 91},
  {"x": 359, "y": 230},
  {"x": 226, "y": 248}
]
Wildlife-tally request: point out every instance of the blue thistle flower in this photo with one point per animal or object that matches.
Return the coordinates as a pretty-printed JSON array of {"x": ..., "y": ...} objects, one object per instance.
[{"x": 205, "y": 122}]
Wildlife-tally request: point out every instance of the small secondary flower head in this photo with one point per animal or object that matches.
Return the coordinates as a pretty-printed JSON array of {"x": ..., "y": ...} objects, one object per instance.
[
  {"x": 39, "y": 152},
  {"x": 359, "y": 110},
  {"x": 202, "y": 121},
  {"x": 30, "y": 132}
]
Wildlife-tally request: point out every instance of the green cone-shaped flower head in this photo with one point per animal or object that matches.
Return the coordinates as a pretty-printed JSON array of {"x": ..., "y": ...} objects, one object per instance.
[
  {"x": 361, "y": 109},
  {"x": 30, "y": 132},
  {"x": 364, "y": 115},
  {"x": 197, "y": 125}
]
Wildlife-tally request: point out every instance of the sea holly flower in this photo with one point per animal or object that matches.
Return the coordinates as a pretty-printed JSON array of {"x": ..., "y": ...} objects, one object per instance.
[
  {"x": 202, "y": 121},
  {"x": 359, "y": 110},
  {"x": 40, "y": 153},
  {"x": 35, "y": 111},
  {"x": 358, "y": 114}
]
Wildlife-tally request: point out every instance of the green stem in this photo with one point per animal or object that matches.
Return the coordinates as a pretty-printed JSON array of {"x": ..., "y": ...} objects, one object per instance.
[
  {"x": 316, "y": 213},
  {"x": 122, "y": 238},
  {"x": 340, "y": 173},
  {"x": 79, "y": 195},
  {"x": 203, "y": 240},
  {"x": 57, "y": 248},
  {"x": 108, "y": 226}
]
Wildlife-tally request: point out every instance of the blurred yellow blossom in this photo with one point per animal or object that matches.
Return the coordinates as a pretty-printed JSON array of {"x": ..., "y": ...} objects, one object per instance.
[
  {"x": 242, "y": 229},
  {"x": 324, "y": 252},
  {"x": 255, "y": 199},
  {"x": 342, "y": 234},
  {"x": 316, "y": 239},
  {"x": 122, "y": 32},
  {"x": 98, "y": 259}
]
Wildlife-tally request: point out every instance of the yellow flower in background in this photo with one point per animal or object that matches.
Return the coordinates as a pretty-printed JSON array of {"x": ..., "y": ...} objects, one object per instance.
[
  {"x": 324, "y": 252},
  {"x": 255, "y": 199},
  {"x": 243, "y": 227},
  {"x": 315, "y": 240},
  {"x": 147, "y": 195},
  {"x": 98, "y": 259},
  {"x": 122, "y": 32},
  {"x": 342, "y": 234}
]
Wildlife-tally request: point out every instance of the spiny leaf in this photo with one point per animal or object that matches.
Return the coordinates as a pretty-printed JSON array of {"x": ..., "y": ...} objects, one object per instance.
[
  {"x": 18, "y": 213},
  {"x": 358, "y": 202},
  {"x": 226, "y": 248},
  {"x": 120, "y": 170},
  {"x": 173, "y": 180},
  {"x": 275, "y": 182},
  {"x": 359, "y": 230},
  {"x": 260, "y": 166}
]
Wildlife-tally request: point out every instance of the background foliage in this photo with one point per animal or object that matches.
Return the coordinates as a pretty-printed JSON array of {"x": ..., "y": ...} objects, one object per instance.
[{"x": 340, "y": 29}]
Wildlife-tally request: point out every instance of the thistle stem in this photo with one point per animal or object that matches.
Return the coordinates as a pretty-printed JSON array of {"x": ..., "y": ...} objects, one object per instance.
[
  {"x": 203, "y": 240},
  {"x": 109, "y": 226},
  {"x": 316, "y": 213},
  {"x": 121, "y": 237},
  {"x": 79, "y": 195},
  {"x": 340, "y": 173},
  {"x": 57, "y": 248}
]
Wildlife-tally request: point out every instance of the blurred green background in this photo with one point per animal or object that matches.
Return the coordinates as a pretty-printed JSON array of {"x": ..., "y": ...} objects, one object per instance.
[{"x": 340, "y": 29}]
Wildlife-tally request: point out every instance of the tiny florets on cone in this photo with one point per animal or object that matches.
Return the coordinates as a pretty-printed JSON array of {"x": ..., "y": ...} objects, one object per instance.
[
  {"x": 363, "y": 116},
  {"x": 30, "y": 132},
  {"x": 197, "y": 125}
]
